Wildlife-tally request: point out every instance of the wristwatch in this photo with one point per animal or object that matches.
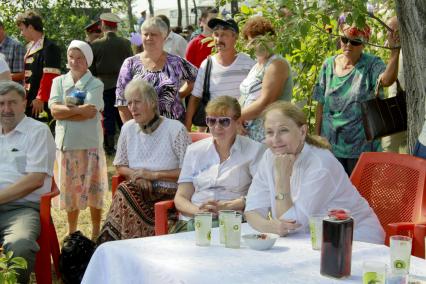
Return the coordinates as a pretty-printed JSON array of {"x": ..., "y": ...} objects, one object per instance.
[{"x": 280, "y": 196}]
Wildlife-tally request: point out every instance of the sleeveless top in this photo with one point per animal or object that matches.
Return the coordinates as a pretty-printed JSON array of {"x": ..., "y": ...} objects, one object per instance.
[{"x": 250, "y": 90}]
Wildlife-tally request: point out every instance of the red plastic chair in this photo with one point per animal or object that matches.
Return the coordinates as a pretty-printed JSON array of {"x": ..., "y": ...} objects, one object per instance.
[
  {"x": 161, "y": 208},
  {"x": 416, "y": 231},
  {"x": 116, "y": 180},
  {"x": 48, "y": 240},
  {"x": 394, "y": 186}
]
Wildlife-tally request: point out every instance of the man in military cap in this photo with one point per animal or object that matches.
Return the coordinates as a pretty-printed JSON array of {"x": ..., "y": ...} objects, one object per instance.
[
  {"x": 109, "y": 53},
  {"x": 93, "y": 31}
]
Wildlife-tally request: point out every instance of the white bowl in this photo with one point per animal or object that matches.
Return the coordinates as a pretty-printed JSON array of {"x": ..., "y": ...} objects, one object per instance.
[{"x": 261, "y": 241}]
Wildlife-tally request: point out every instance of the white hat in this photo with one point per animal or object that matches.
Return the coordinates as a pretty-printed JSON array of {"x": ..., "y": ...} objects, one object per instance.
[{"x": 84, "y": 48}]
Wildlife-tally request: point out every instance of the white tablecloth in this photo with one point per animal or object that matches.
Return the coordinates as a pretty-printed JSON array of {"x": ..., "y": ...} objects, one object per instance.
[{"x": 176, "y": 259}]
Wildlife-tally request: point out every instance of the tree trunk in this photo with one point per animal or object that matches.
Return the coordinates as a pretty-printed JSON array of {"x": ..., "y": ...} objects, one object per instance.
[
  {"x": 234, "y": 7},
  {"x": 196, "y": 13},
  {"x": 179, "y": 22},
  {"x": 412, "y": 23},
  {"x": 151, "y": 8},
  {"x": 130, "y": 16},
  {"x": 186, "y": 13}
]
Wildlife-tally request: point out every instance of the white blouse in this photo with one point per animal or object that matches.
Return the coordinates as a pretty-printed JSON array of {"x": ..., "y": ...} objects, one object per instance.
[
  {"x": 318, "y": 183},
  {"x": 164, "y": 149},
  {"x": 220, "y": 181}
]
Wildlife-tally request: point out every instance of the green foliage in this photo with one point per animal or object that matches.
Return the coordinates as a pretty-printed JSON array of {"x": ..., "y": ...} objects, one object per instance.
[
  {"x": 307, "y": 33},
  {"x": 63, "y": 20},
  {"x": 8, "y": 267}
]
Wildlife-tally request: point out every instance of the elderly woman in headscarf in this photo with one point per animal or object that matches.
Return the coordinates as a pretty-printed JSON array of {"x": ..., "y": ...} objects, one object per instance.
[
  {"x": 171, "y": 76},
  {"x": 346, "y": 80},
  {"x": 81, "y": 171}
]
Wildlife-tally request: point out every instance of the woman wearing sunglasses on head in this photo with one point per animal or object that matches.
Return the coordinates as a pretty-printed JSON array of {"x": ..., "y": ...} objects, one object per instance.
[
  {"x": 217, "y": 172},
  {"x": 298, "y": 176},
  {"x": 346, "y": 80}
]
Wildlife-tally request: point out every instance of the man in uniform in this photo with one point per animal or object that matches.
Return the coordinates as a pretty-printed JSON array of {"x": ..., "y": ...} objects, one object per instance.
[
  {"x": 93, "y": 31},
  {"x": 109, "y": 53},
  {"x": 42, "y": 63}
]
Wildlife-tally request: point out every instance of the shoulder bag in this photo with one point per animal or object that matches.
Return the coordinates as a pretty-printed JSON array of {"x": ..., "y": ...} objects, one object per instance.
[
  {"x": 383, "y": 117},
  {"x": 199, "y": 118}
]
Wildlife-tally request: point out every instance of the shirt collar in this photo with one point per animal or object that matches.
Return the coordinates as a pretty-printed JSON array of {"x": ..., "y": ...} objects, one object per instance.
[
  {"x": 20, "y": 127},
  {"x": 80, "y": 84}
]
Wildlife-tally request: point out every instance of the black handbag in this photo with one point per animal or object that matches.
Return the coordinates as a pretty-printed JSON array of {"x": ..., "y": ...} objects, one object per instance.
[
  {"x": 199, "y": 118},
  {"x": 383, "y": 117}
]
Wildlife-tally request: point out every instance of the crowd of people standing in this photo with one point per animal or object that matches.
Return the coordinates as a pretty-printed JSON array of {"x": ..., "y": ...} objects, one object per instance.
[{"x": 260, "y": 157}]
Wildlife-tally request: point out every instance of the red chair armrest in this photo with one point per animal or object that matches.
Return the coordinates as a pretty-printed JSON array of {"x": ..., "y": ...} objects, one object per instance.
[
  {"x": 161, "y": 217},
  {"x": 116, "y": 180}
]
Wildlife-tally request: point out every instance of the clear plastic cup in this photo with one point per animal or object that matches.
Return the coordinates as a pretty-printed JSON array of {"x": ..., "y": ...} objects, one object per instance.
[
  {"x": 233, "y": 230},
  {"x": 315, "y": 228},
  {"x": 222, "y": 216},
  {"x": 373, "y": 272},
  {"x": 400, "y": 251},
  {"x": 203, "y": 228}
]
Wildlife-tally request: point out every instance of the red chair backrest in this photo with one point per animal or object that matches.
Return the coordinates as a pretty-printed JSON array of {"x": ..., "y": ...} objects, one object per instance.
[
  {"x": 394, "y": 186},
  {"x": 196, "y": 136}
]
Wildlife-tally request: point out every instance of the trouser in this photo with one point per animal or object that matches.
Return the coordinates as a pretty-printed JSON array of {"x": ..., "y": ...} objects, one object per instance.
[
  {"x": 19, "y": 231},
  {"x": 348, "y": 164},
  {"x": 111, "y": 115},
  {"x": 419, "y": 150}
]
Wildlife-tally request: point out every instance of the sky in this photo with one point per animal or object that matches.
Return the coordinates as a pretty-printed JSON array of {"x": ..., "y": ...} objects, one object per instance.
[{"x": 166, "y": 4}]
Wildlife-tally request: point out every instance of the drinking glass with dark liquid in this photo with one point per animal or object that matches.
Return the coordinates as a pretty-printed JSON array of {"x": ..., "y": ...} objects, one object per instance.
[{"x": 336, "y": 249}]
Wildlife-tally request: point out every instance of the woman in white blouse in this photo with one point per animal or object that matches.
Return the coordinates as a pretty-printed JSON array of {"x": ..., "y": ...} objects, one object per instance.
[
  {"x": 149, "y": 155},
  {"x": 299, "y": 176},
  {"x": 217, "y": 171}
]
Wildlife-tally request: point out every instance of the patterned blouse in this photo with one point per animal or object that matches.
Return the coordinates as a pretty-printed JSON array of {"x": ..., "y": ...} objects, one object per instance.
[
  {"x": 166, "y": 82},
  {"x": 341, "y": 97}
]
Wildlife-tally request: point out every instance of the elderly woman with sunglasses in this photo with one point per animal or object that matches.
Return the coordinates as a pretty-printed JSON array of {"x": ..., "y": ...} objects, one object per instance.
[
  {"x": 217, "y": 172},
  {"x": 346, "y": 80},
  {"x": 269, "y": 80}
]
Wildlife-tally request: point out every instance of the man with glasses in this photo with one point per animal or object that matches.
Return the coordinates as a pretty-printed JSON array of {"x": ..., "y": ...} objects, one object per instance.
[{"x": 228, "y": 67}]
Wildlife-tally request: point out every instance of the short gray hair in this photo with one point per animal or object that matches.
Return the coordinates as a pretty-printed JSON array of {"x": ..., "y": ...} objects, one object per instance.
[
  {"x": 9, "y": 86},
  {"x": 146, "y": 92},
  {"x": 156, "y": 23}
]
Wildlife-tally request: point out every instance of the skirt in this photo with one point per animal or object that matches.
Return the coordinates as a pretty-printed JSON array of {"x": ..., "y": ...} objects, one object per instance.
[
  {"x": 81, "y": 176},
  {"x": 131, "y": 214}
]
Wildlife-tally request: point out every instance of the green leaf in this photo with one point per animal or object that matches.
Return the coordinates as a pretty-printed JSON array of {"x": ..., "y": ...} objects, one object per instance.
[
  {"x": 19, "y": 261},
  {"x": 245, "y": 10}
]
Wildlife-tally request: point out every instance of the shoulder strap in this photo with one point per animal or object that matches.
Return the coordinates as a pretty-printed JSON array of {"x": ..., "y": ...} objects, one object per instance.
[{"x": 206, "y": 86}]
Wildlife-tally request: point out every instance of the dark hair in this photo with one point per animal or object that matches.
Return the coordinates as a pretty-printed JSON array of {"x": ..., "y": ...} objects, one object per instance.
[
  {"x": 165, "y": 20},
  {"x": 32, "y": 18},
  {"x": 177, "y": 29},
  {"x": 207, "y": 11},
  {"x": 256, "y": 26}
]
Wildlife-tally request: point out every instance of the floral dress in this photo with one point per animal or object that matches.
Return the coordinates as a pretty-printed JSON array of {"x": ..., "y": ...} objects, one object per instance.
[
  {"x": 341, "y": 97},
  {"x": 166, "y": 82}
]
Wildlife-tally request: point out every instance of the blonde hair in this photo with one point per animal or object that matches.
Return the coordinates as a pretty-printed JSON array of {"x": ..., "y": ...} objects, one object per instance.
[
  {"x": 221, "y": 105},
  {"x": 294, "y": 113}
]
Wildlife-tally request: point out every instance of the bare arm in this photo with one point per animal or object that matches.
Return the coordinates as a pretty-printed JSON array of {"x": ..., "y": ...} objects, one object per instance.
[
  {"x": 24, "y": 186},
  {"x": 190, "y": 111},
  {"x": 318, "y": 118},
  {"x": 186, "y": 89},
  {"x": 183, "y": 199},
  {"x": 75, "y": 113},
  {"x": 275, "y": 77},
  {"x": 124, "y": 113},
  {"x": 165, "y": 175},
  {"x": 18, "y": 76},
  {"x": 390, "y": 74},
  {"x": 261, "y": 224},
  {"x": 5, "y": 76}
]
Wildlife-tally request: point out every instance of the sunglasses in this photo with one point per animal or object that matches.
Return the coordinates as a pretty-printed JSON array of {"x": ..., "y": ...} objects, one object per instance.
[
  {"x": 353, "y": 42},
  {"x": 223, "y": 121}
]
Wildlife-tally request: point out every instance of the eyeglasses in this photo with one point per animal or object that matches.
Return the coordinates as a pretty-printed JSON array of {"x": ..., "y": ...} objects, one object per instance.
[
  {"x": 223, "y": 121},
  {"x": 353, "y": 42}
]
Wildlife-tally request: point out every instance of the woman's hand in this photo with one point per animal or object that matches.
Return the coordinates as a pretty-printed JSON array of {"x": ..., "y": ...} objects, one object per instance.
[
  {"x": 88, "y": 110},
  {"x": 210, "y": 206},
  {"x": 145, "y": 185},
  {"x": 284, "y": 164},
  {"x": 284, "y": 227},
  {"x": 142, "y": 173}
]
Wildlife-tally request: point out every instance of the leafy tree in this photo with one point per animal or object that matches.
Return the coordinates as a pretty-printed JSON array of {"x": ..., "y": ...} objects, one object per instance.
[{"x": 8, "y": 267}]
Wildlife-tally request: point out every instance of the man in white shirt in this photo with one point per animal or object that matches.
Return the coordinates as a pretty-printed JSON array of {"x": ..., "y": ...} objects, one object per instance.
[
  {"x": 229, "y": 68},
  {"x": 4, "y": 69},
  {"x": 175, "y": 44},
  {"x": 27, "y": 154}
]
